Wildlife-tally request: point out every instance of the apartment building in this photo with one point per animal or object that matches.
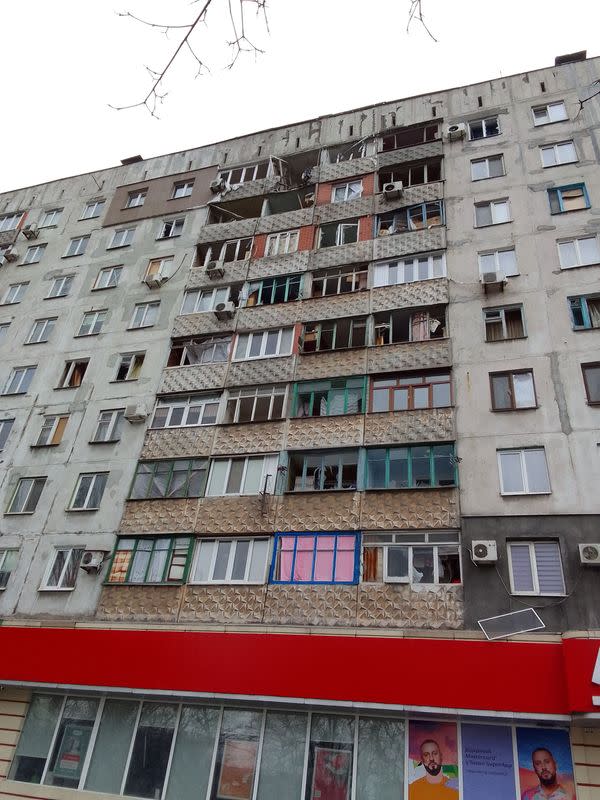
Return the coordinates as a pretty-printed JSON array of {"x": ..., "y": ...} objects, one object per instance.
[{"x": 256, "y": 505}]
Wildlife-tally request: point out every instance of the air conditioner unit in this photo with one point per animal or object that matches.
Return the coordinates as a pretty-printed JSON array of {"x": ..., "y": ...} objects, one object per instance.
[
  {"x": 30, "y": 231},
  {"x": 589, "y": 554},
  {"x": 392, "y": 190},
  {"x": 484, "y": 551},
  {"x": 214, "y": 270},
  {"x": 456, "y": 131},
  {"x": 154, "y": 281},
  {"x": 224, "y": 311},
  {"x": 92, "y": 560},
  {"x": 11, "y": 255},
  {"x": 497, "y": 278},
  {"x": 218, "y": 185},
  {"x": 135, "y": 414}
]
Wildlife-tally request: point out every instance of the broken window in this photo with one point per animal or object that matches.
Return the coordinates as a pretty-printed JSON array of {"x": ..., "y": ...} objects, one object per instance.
[
  {"x": 232, "y": 250},
  {"x": 482, "y": 128},
  {"x": 171, "y": 228},
  {"x": 262, "y": 344},
  {"x": 404, "y": 325},
  {"x": 407, "y": 137},
  {"x": 130, "y": 365},
  {"x": 255, "y": 404},
  {"x": 407, "y": 270},
  {"x": 196, "y": 301},
  {"x": 316, "y": 558},
  {"x": 551, "y": 112},
  {"x": 568, "y": 198},
  {"x": 329, "y": 398},
  {"x": 281, "y": 243},
  {"x": 585, "y": 311},
  {"x": 412, "y": 218},
  {"x": 208, "y": 350},
  {"x": 150, "y": 560},
  {"x": 252, "y": 172},
  {"x": 503, "y": 323},
  {"x": 333, "y": 335},
  {"x": 415, "y": 467},
  {"x": 339, "y": 280},
  {"x": 494, "y": 212},
  {"x": 403, "y": 392},
  {"x": 512, "y": 390},
  {"x": 180, "y": 412},
  {"x": 322, "y": 471},
  {"x": 417, "y": 558},
  {"x": 168, "y": 479},
  {"x": 346, "y": 191},
  {"x": 73, "y": 374},
  {"x": 274, "y": 290},
  {"x": 337, "y": 233},
  {"x": 159, "y": 268},
  {"x": 347, "y": 152},
  {"x": 245, "y": 475},
  {"x": 489, "y": 167},
  {"x": 412, "y": 174},
  {"x": 52, "y": 430}
]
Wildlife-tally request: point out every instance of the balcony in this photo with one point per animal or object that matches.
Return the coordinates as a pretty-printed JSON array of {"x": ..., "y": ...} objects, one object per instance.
[
  {"x": 193, "y": 378},
  {"x": 359, "y": 207},
  {"x": 345, "y": 169},
  {"x": 407, "y": 427},
  {"x": 342, "y": 254},
  {"x": 409, "y": 355},
  {"x": 403, "y": 244},
  {"x": 186, "y": 442},
  {"x": 407, "y": 295},
  {"x": 344, "y": 430},
  {"x": 262, "y": 370},
  {"x": 415, "y": 152}
]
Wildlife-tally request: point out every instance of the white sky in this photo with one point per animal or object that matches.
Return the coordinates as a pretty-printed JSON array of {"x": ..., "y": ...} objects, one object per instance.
[{"x": 64, "y": 61}]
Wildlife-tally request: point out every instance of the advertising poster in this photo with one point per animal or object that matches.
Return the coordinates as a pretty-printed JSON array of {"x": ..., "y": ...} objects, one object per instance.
[
  {"x": 331, "y": 774},
  {"x": 488, "y": 767},
  {"x": 71, "y": 751},
  {"x": 545, "y": 764},
  {"x": 236, "y": 777},
  {"x": 432, "y": 761}
]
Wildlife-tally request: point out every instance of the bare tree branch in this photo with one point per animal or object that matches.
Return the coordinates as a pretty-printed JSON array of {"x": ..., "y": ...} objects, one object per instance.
[
  {"x": 416, "y": 12},
  {"x": 587, "y": 99},
  {"x": 237, "y": 45}
]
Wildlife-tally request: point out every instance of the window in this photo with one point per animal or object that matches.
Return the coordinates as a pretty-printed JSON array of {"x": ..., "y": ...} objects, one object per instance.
[
  {"x": 93, "y": 209},
  {"x": 493, "y": 213},
  {"x": 107, "y": 278},
  {"x": 429, "y": 557},
  {"x": 26, "y": 495},
  {"x": 403, "y": 392},
  {"x": 180, "y": 412},
  {"x": 8, "y": 563},
  {"x": 136, "y": 198},
  {"x": 409, "y": 136},
  {"x": 122, "y": 237},
  {"x": 14, "y": 293},
  {"x": 346, "y": 191},
  {"x": 560, "y": 153},
  {"x": 414, "y": 174},
  {"x": 110, "y": 425},
  {"x": 535, "y": 568},
  {"x": 255, "y": 404},
  {"x": 503, "y": 323},
  {"x": 512, "y": 390},
  {"x": 339, "y": 280},
  {"x": 51, "y": 218},
  {"x": 171, "y": 228},
  {"x": 92, "y": 322},
  {"x": 9, "y": 222},
  {"x": 200, "y": 300},
  {"x": 130, "y": 366},
  {"x": 41, "y": 330},
  {"x": 262, "y": 344},
  {"x": 337, "y": 233},
  {"x": 159, "y": 268},
  {"x": 52, "y": 430},
  {"x": 578, "y": 252},
  {"x": 62, "y": 570},
  {"x": 252, "y": 172},
  {"x": 333, "y": 335},
  {"x": 167, "y": 479},
  {"x": 61, "y": 286},
  {"x": 585, "y": 312},
  {"x": 73, "y": 374},
  {"x": 504, "y": 261},
  {"x": 183, "y": 189},
  {"x": 591, "y": 379},
  {"x": 19, "y": 380},
  {"x": 415, "y": 467},
  {"x": 233, "y": 250},
  {"x": 209, "y": 350},
  {"x": 523, "y": 471},
  {"x": 551, "y": 112},
  {"x": 274, "y": 290},
  {"x": 34, "y": 253},
  {"x": 315, "y": 558},
  {"x": 150, "y": 560},
  {"x": 4, "y": 326},
  {"x": 144, "y": 315},
  {"x": 5, "y": 429},
  {"x": 323, "y": 471},
  {"x": 77, "y": 246},
  {"x": 568, "y": 198},
  {"x": 416, "y": 268},
  {"x": 412, "y": 218},
  {"x": 404, "y": 325},
  {"x": 482, "y": 128},
  {"x": 246, "y": 475},
  {"x": 329, "y": 398},
  {"x": 490, "y": 167},
  {"x": 88, "y": 491},
  {"x": 230, "y": 561},
  {"x": 279, "y": 244}
]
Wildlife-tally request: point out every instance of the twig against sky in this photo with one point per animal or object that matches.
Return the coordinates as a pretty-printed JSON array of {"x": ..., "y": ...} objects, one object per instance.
[{"x": 416, "y": 12}]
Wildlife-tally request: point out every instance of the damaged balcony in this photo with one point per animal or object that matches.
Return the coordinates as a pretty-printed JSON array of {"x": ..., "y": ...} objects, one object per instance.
[
  {"x": 408, "y": 144},
  {"x": 196, "y": 363}
]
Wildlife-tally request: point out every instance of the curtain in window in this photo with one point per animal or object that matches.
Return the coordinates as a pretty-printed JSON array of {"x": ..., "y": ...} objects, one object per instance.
[
  {"x": 594, "y": 311},
  {"x": 418, "y": 327},
  {"x": 514, "y": 324}
]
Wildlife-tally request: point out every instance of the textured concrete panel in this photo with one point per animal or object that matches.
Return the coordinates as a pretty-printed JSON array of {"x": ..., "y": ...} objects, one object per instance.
[
  {"x": 252, "y": 188},
  {"x": 311, "y": 432},
  {"x": 159, "y": 516},
  {"x": 286, "y": 221},
  {"x": 139, "y": 603},
  {"x": 344, "y": 169},
  {"x": 179, "y": 442},
  {"x": 402, "y": 606},
  {"x": 319, "y": 511},
  {"x": 410, "y": 508},
  {"x": 220, "y": 231},
  {"x": 424, "y": 425},
  {"x": 403, "y": 244},
  {"x": 341, "y": 305},
  {"x": 233, "y": 515},
  {"x": 271, "y": 316},
  {"x": 193, "y": 378},
  {"x": 257, "y": 437},
  {"x": 332, "y": 365},
  {"x": 229, "y": 604},
  {"x": 262, "y": 370},
  {"x": 410, "y": 355},
  {"x": 310, "y": 605},
  {"x": 200, "y": 324},
  {"x": 406, "y": 154},
  {"x": 343, "y": 254},
  {"x": 233, "y": 272},
  {"x": 359, "y": 207},
  {"x": 409, "y": 295},
  {"x": 278, "y": 265},
  {"x": 411, "y": 195}
]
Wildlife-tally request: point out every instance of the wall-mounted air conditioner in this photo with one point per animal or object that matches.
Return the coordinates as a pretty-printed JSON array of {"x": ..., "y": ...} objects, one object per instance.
[{"x": 484, "y": 551}]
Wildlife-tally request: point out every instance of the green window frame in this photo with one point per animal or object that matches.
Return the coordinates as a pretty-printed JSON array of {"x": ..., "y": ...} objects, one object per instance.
[
  {"x": 169, "y": 479},
  {"x": 330, "y": 398},
  {"x": 269, "y": 291},
  {"x": 160, "y": 559},
  {"x": 585, "y": 311},
  {"x": 325, "y": 470},
  {"x": 414, "y": 467},
  {"x": 334, "y": 334}
]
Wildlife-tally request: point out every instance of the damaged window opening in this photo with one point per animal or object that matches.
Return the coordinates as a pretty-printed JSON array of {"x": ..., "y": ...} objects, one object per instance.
[
  {"x": 165, "y": 479},
  {"x": 330, "y": 398},
  {"x": 414, "y": 558},
  {"x": 263, "y": 344},
  {"x": 408, "y": 137},
  {"x": 322, "y": 471},
  {"x": 255, "y": 404},
  {"x": 345, "y": 152},
  {"x": 408, "y": 270},
  {"x": 346, "y": 191},
  {"x": 181, "y": 412},
  {"x": 208, "y": 350},
  {"x": 512, "y": 390},
  {"x": 403, "y": 325},
  {"x": 412, "y": 218},
  {"x": 585, "y": 312},
  {"x": 171, "y": 228},
  {"x": 279, "y": 244},
  {"x": 504, "y": 323},
  {"x": 413, "y": 174},
  {"x": 339, "y": 280},
  {"x": 333, "y": 335},
  {"x": 253, "y": 172},
  {"x": 568, "y": 198},
  {"x": 274, "y": 290},
  {"x": 232, "y": 250},
  {"x": 483, "y": 128},
  {"x": 150, "y": 560},
  {"x": 337, "y": 233},
  {"x": 130, "y": 366},
  {"x": 408, "y": 392},
  {"x": 196, "y": 301},
  {"x": 415, "y": 467},
  {"x": 73, "y": 374}
]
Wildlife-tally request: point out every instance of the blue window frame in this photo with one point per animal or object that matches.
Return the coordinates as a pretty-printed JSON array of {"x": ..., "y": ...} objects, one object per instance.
[
  {"x": 568, "y": 198},
  {"x": 316, "y": 558},
  {"x": 585, "y": 312}
]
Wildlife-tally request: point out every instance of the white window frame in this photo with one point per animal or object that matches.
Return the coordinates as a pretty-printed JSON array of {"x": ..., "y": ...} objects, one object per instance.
[
  {"x": 263, "y": 346},
  {"x": 493, "y": 204},
  {"x": 26, "y": 371},
  {"x": 277, "y": 390},
  {"x": 174, "y": 225},
  {"x": 51, "y": 218},
  {"x": 45, "y": 330},
  {"x": 93, "y": 321},
  {"x": 523, "y": 468},
  {"x": 59, "y": 284},
  {"x": 10, "y": 222},
  {"x": 113, "y": 276},
  {"x": 5, "y": 429},
  {"x": 486, "y": 160},
  {"x": 34, "y": 253},
  {"x": 220, "y": 294},
  {"x": 387, "y": 578},
  {"x": 269, "y": 467},
  {"x": 68, "y": 371},
  {"x": 248, "y": 173},
  {"x": 182, "y": 189},
  {"x": 483, "y": 122},
  {"x": 534, "y": 569},
  {"x": 399, "y": 265},
  {"x": 554, "y": 149},
  {"x": 575, "y": 242},
  {"x": 14, "y": 293},
  {"x": 348, "y": 187},
  {"x": 212, "y": 255},
  {"x": 115, "y": 418},
  {"x": 550, "y": 114},
  {"x": 77, "y": 246},
  {"x": 282, "y": 243},
  {"x": 68, "y": 561},
  {"x": 136, "y": 199},
  {"x": 95, "y": 476},
  {"x": 150, "y": 309},
  {"x": 228, "y": 579},
  {"x": 131, "y": 367},
  {"x": 48, "y": 430},
  {"x": 496, "y": 254},
  {"x": 187, "y": 402},
  {"x": 6, "y": 567},
  {"x": 93, "y": 209},
  {"x": 33, "y": 479},
  {"x": 122, "y": 237},
  {"x": 159, "y": 267}
]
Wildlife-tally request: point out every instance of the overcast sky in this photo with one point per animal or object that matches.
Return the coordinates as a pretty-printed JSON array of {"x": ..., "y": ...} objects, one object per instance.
[{"x": 63, "y": 62}]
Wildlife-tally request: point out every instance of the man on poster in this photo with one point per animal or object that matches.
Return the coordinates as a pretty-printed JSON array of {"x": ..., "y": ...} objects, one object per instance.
[
  {"x": 432, "y": 786},
  {"x": 545, "y": 768}
]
